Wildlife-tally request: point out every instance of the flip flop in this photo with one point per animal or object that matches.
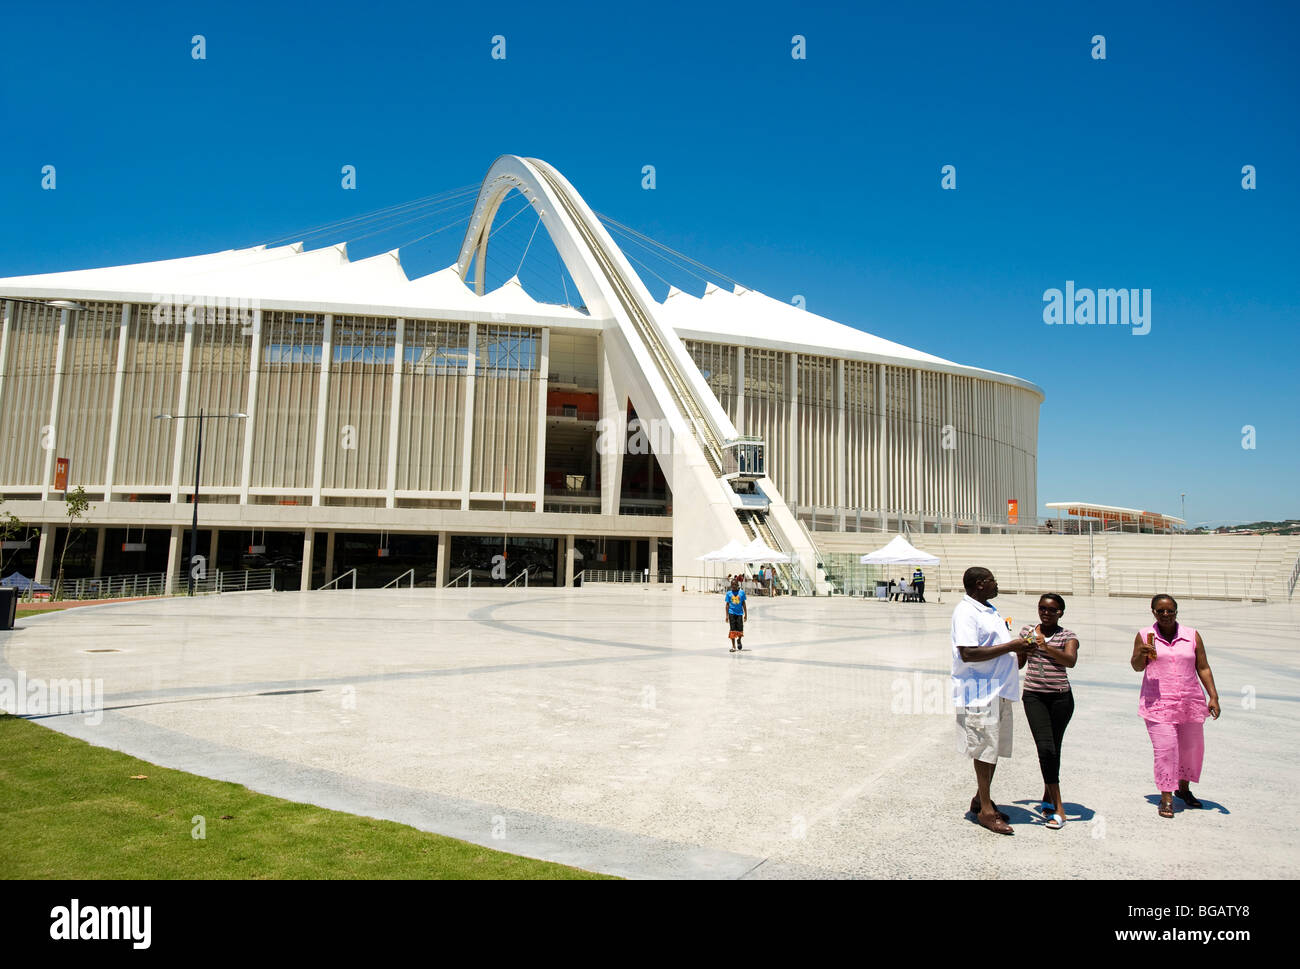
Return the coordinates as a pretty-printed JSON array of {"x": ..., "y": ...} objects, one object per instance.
[{"x": 997, "y": 825}]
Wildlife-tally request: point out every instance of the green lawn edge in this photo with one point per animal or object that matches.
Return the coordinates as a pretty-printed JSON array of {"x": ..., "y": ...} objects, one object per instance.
[{"x": 70, "y": 810}]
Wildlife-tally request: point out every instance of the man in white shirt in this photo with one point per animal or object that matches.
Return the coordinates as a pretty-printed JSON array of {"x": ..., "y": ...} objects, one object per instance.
[{"x": 986, "y": 662}]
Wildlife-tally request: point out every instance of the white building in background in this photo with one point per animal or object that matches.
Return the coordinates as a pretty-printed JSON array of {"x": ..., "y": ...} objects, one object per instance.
[{"x": 397, "y": 423}]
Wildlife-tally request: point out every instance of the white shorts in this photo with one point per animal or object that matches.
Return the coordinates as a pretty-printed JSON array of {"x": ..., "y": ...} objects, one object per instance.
[{"x": 984, "y": 733}]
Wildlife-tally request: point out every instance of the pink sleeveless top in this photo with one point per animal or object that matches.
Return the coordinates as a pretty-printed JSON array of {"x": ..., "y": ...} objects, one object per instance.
[{"x": 1171, "y": 690}]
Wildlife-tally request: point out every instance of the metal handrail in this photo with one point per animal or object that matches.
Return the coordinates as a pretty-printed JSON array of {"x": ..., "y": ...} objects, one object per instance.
[
  {"x": 410, "y": 572},
  {"x": 469, "y": 584},
  {"x": 1295, "y": 577},
  {"x": 523, "y": 575},
  {"x": 351, "y": 572},
  {"x": 790, "y": 575}
]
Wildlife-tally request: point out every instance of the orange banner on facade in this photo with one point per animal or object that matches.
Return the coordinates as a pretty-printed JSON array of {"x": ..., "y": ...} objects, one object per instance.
[
  {"x": 1013, "y": 511},
  {"x": 60, "y": 474}
]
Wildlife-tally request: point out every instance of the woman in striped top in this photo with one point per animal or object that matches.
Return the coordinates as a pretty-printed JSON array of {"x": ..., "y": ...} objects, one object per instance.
[{"x": 1047, "y": 698}]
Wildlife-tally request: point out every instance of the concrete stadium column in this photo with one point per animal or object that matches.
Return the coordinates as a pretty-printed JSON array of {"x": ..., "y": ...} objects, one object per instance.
[
  {"x": 100, "y": 535},
  {"x": 918, "y": 499},
  {"x": 882, "y": 472},
  {"x": 791, "y": 490},
  {"x": 841, "y": 454},
  {"x": 980, "y": 424},
  {"x": 4, "y": 345},
  {"x": 950, "y": 476},
  {"x": 329, "y": 554},
  {"x": 467, "y": 448},
  {"x": 322, "y": 401},
  {"x": 173, "y": 558},
  {"x": 613, "y": 422},
  {"x": 395, "y": 413},
  {"x": 45, "y": 555},
  {"x": 740, "y": 391},
  {"x": 308, "y": 550},
  {"x": 254, "y": 366},
  {"x": 654, "y": 559},
  {"x": 543, "y": 376},
  {"x": 119, "y": 377},
  {"x": 182, "y": 403},
  {"x": 570, "y": 550},
  {"x": 444, "y": 556},
  {"x": 64, "y": 317}
]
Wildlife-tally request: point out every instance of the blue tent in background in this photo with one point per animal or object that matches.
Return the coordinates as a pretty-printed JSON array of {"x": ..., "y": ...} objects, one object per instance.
[{"x": 16, "y": 580}]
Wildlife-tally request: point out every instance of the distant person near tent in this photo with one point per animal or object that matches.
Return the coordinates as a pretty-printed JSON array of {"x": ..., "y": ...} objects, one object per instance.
[{"x": 918, "y": 583}]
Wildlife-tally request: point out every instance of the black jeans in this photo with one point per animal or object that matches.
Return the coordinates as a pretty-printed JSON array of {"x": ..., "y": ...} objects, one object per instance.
[{"x": 1048, "y": 715}]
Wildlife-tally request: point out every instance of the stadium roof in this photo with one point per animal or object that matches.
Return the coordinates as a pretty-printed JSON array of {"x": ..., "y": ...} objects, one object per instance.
[
  {"x": 1085, "y": 509},
  {"x": 325, "y": 280}
]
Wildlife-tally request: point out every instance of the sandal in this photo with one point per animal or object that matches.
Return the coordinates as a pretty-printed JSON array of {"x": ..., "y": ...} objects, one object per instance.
[
  {"x": 1056, "y": 822},
  {"x": 1167, "y": 808},
  {"x": 1188, "y": 798},
  {"x": 975, "y": 810}
]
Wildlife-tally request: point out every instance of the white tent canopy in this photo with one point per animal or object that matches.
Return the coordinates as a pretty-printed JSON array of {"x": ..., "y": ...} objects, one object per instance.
[
  {"x": 733, "y": 551},
  {"x": 756, "y": 551},
  {"x": 899, "y": 552}
]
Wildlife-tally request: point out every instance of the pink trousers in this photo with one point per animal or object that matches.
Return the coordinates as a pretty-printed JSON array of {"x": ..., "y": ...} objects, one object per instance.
[{"x": 1179, "y": 750}]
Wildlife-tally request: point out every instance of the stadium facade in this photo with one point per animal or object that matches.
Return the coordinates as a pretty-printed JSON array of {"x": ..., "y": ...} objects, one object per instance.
[{"x": 388, "y": 423}]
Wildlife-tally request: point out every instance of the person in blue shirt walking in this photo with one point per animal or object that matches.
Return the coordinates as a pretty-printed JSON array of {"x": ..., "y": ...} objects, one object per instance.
[{"x": 737, "y": 613}]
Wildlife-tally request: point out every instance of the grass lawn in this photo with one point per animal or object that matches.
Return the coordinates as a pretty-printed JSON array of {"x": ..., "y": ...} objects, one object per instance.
[{"x": 72, "y": 810}]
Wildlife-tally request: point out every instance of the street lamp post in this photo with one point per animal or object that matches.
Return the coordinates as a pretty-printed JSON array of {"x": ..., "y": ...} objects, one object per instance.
[
  {"x": 198, "y": 458},
  {"x": 1182, "y": 495}
]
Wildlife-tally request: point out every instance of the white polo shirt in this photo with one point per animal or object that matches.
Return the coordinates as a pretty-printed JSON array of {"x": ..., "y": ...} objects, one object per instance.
[{"x": 976, "y": 684}]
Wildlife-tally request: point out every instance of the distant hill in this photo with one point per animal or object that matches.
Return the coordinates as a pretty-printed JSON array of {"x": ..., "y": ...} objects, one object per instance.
[{"x": 1290, "y": 526}]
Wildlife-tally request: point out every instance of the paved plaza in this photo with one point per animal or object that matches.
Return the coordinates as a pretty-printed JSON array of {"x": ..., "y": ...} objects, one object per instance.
[{"x": 612, "y": 730}]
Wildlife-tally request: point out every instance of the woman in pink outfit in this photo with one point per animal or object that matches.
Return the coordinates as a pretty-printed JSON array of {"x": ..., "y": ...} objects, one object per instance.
[{"x": 1171, "y": 659}]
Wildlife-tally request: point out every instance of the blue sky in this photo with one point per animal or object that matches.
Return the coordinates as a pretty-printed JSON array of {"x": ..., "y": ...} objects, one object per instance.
[{"x": 819, "y": 177}]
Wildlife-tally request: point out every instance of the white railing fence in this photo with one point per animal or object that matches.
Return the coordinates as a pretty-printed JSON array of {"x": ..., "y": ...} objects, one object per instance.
[{"x": 144, "y": 585}]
